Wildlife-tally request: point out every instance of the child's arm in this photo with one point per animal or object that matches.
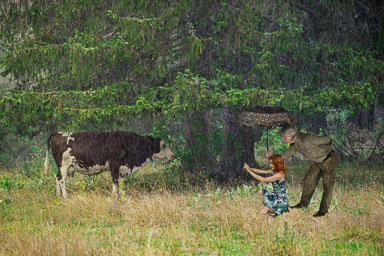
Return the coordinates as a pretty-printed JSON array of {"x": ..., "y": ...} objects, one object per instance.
[
  {"x": 255, "y": 170},
  {"x": 277, "y": 176}
]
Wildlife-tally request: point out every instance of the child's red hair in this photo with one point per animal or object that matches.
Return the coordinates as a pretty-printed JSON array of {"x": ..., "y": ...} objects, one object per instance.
[{"x": 278, "y": 162}]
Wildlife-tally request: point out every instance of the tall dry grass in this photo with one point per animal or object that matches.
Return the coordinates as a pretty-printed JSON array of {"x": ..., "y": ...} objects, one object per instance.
[{"x": 158, "y": 217}]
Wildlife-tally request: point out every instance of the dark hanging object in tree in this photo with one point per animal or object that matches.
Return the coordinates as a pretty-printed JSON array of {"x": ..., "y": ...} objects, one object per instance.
[{"x": 269, "y": 116}]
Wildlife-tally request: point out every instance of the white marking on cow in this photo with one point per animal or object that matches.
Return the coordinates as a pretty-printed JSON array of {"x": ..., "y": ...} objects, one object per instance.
[
  {"x": 58, "y": 188},
  {"x": 68, "y": 135},
  {"x": 70, "y": 138},
  {"x": 116, "y": 188},
  {"x": 66, "y": 162},
  {"x": 124, "y": 170},
  {"x": 91, "y": 170},
  {"x": 136, "y": 168},
  {"x": 165, "y": 152}
]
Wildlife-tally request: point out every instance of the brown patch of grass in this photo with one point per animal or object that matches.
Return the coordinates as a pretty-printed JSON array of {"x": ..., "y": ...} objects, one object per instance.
[{"x": 208, "y": 220}]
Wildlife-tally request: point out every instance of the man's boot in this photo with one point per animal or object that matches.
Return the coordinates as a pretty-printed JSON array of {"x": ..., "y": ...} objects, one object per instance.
[
  {"x": 299, "y": 205},
  {"x": 319, "y": 214}
]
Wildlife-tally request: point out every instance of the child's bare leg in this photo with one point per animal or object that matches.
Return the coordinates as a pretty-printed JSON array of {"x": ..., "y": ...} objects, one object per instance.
[
  {"x": 265, "y": 210},
  {"x": 260, "y": 193}
]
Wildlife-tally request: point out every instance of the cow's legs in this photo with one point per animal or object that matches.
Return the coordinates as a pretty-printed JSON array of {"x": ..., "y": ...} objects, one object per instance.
[
  {"x": 61, "y": 182},
  {"x": 115, "y": 174},
  {"x": 58, "y": 188},
  {"x": 116, "y": 188},
  {"x": 61, "y": 177}
]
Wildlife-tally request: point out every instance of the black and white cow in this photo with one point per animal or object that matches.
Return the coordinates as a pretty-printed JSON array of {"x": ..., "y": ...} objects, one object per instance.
[{"x": 91, "y": 153}]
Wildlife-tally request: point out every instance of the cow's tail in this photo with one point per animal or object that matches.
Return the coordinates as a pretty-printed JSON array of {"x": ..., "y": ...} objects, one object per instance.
[{"x": 46, "y": 163}]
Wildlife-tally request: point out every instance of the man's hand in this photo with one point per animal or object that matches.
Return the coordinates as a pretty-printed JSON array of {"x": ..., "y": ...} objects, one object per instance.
[{"x": 268, "y": 154}]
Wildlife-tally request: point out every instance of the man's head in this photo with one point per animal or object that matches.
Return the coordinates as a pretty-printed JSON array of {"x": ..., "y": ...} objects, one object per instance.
[{"x": 288, "y": 133}]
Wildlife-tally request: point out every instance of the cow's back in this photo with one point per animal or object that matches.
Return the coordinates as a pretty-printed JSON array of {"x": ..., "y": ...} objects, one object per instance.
[
  {"x": 91, "y": 148},
  {"x": 97, "y": 147}
]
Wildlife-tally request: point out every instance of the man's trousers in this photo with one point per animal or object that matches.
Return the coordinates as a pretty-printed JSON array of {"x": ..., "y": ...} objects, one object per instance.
[{"x": 326, "y": 170}]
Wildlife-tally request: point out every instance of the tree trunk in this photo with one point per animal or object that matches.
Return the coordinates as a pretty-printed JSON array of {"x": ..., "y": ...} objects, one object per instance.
[
  {"x": 237, "y": 148},
  {"x": 198, "y": 149},
  {"x": 218, "y": 152}
]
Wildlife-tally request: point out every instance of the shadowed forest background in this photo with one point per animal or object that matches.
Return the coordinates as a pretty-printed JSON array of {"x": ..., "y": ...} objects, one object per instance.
[{"x": 183, "y": 70}]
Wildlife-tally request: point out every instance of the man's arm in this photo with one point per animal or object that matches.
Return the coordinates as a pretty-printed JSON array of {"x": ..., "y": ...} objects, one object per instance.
[
  {"x": 322, "y": 140},
  {"x": 289, "y": 152}
]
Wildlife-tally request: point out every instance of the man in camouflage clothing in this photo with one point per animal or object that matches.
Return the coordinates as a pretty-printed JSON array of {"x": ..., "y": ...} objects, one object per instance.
[{"x": 319, "y": 150}]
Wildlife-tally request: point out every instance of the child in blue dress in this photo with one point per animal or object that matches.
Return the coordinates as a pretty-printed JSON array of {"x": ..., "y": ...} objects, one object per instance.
[{"x": 276, "y": 201}]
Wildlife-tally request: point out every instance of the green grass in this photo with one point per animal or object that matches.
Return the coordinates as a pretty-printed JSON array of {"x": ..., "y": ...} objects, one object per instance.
[{"x": 162, "y": 214}]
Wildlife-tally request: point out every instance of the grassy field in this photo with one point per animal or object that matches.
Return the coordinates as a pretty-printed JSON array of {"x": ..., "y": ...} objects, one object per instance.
[{"x": 162, "y": 214}]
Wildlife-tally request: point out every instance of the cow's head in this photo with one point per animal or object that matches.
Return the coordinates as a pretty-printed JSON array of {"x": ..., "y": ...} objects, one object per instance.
[{"x": 165, "y": 152}]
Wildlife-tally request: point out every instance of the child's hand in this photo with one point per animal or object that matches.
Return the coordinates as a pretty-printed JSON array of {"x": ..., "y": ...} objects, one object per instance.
[{"x": 246, "y": 166}]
